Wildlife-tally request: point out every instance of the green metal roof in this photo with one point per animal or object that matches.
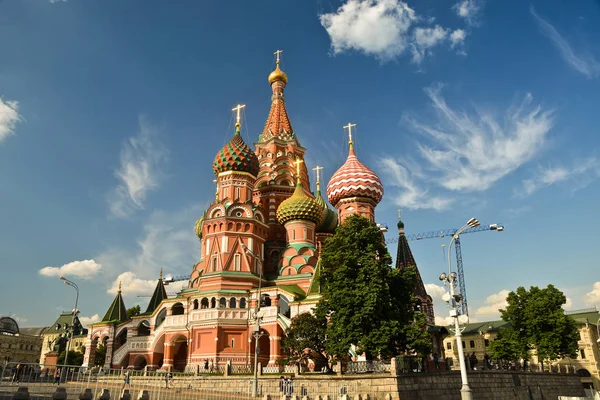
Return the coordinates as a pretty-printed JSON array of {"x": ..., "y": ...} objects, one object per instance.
[
  {"x": 117, "y": 311},
  {"x": 65, "y": 319},
  {"x": 587, "y": 316},
  {"x": 157, "y": 297}
]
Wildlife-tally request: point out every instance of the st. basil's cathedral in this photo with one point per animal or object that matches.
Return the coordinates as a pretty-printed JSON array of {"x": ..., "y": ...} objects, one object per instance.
[{"x": 259, "y": 242}]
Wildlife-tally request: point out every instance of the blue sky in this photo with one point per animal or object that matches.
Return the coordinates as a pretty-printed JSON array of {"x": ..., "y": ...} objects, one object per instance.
[{"x": 112, "y": 112}]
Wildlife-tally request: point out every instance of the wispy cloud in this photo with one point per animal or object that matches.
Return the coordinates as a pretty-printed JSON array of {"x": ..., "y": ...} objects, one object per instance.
[
  {"x": 86, "y": 269},
  {"x": 491, "y": 306},
  {"x": 139, "y": 171},
  {"x": 471, "y": 152},
  {"x": 580, "y": 174},
  {"x": 131, "y": 285},
  {"x": 85, "y": 321},
  {"x": 583, "y": 63},
  {"x": 9, "y": 117},
  {"x": 469, "y": 10},
  {"x": 411, "y": 195},
  {"x": 593, "y": 296},
  {"x": 167, "y": 241},
  {"x": 385, "y": 29}
]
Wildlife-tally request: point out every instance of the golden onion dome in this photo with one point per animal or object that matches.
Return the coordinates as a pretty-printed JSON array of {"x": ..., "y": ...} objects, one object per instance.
[
  {"x": 198, "y": 228},
  {"x": 330, "y": 217},
  {"x": 278, "y": 75},
  {"x": 299, "y": 207}
]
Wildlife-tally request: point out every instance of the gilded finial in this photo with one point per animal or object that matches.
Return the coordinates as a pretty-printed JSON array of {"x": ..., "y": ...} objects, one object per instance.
[
  {"x": 349, "y": 127},
  {"x": 238, "y": 117},
  {"x": 278, "y": 74},
  {"x": 119, "y": 286},
  {"x": 399, "y": 214},
  {"x": 161, "y": 276},
  {"x": 317, "y": 170},
  {"x": 277, "y": 53},
  {"x": 298, "y": 162}
]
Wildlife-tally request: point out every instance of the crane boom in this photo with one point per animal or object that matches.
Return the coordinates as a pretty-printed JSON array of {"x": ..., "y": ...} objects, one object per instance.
[{"x": 457, "y": 246}]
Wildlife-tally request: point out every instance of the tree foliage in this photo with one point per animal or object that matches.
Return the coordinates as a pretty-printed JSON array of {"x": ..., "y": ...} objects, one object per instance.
[
  {"x": 536, "y": 320},
  {"x": 369, "y": 304},
  {"x": 75, "y": 358},
  {"x": 305, "y": 339},
  {"x": 100, "y": 355},
  {"x": 133, "y": 311}
]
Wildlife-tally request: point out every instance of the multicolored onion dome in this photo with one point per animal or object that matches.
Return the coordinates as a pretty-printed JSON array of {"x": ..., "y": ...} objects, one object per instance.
[
  {"x": 299, "y": 206},
  {"x": 198, "y": 228},
  {"x": 353, "y": 179},
  {"x": 330, "y": 217},
  {"x": 236, "y": 156},
  {"x": 278, "y": 75}
]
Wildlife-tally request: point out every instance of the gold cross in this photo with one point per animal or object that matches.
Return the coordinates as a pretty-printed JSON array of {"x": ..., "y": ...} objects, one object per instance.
[
  {"x": 298, "y": 162},
  {"x": 237, "y": 110},
  {"x": 349, "y": 127},
  {"x": 399, "y": 214},
  {"x": 317, "y": 170},
  {"x": 277, "y": 53}
]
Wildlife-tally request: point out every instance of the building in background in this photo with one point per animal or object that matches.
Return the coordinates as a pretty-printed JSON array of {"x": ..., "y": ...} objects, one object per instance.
[
  {"x": 63, "y": 326},
  {"x": 19, "y": 344}
]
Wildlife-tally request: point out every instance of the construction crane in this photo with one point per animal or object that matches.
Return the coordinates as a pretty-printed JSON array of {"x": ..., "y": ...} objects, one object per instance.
[
  {"x": 172, "y": 279},
  {"x": 459, "y": 261}
]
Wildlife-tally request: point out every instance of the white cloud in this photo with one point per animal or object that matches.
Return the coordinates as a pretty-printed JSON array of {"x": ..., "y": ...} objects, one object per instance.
[
  {"x": 457, "y": 37},
  {"x": 593, "y": 297},
  {"x": 492, "y": 304},
  {"x": 425, "y": 39},
  {"x": 471, "y": 152},
  {"x": 435, "y": 291},
  {"x": 568, "y": 304},
  {"x": 9, "y": 117},
  {"x": 167, "y": 241},
  {"x": 85, "y": 321},
  {"x": 131, "y": 285},
  {"x": 468, "y": 9},
  {"x": 581, "y": 174},
  {"x": 374, "y": 27},
  {"x": 444, "y": 321},
  {"x": 583, "y": 63},
  {"x": 139, "y": 172},
  {"x": 411, "y": 196},
  {"x": 86, "y": 269}
]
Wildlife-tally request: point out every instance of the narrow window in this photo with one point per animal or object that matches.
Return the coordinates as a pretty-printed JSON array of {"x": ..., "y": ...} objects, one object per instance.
[
  {"x": 582, "y": 354},
  {"x": 294, "y": 235},
  {"x": 449, "y": 345},
  {"x": 487, "y": 342},
  {"x": 472, "y": 344},
  {"x": 238, "y": 193},
  {"x": 464, "y": 345},
  {"x": 237, "y": 261},
  {"x": 214, "y": 266},
  {"x": 305, "y": 234},
  {"x": 232, "y": 342}
]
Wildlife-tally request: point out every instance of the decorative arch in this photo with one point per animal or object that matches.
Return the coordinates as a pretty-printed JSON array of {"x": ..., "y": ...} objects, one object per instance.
[
  {"x": 217, "y": 212},
  {"x": 239, "y": 211},
  {"x": 143, "y": 328},
  {"x": 177, "y": 309},
  {"x": 259, "y": 216}
]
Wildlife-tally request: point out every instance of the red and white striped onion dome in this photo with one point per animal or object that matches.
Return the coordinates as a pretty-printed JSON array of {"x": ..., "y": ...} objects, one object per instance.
[{"x": 354, "y": 179}]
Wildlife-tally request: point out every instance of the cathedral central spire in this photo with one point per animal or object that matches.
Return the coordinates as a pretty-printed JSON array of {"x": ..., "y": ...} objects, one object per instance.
[{"x": 278, "y": 123}]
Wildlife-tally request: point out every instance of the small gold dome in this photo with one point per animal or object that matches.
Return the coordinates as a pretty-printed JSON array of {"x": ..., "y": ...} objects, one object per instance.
[{"x": 278, "y": 75}]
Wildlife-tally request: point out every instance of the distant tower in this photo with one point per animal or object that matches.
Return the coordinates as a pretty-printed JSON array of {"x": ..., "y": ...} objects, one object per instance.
[
  {"x": 405, "y": 258},
  {"x": 300, "y": 215},
  {"x": 354, "y": 188},
  {"x": 329, "y": 222}
]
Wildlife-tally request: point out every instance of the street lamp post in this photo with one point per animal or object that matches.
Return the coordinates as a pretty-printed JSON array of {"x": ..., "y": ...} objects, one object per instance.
[
  {"x": 256, "y": 332},
  {"x": 70, "y": 334},
  {"x": 450, "y": 280}
]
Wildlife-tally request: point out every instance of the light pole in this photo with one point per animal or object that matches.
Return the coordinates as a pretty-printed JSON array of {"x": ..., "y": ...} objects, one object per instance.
[
  {"x": 256, "y": 332},
  {"x": 73, "y": 285},
  {"x": 450, "y": 280}
]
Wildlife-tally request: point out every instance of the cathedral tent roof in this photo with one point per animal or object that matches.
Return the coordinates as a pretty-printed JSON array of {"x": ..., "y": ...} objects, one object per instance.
[
  {"x": 158, "y": 296},
  {"x": 405, "y": 258},
  {"x": 117, "y": 310}
]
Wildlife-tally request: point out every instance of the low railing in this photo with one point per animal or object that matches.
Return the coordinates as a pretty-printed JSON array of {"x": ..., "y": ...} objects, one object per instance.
[{"x": 374, "y": 366}]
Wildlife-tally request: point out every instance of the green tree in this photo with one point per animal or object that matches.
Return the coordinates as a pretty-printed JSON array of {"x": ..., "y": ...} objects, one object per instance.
[
  {"x": 369, "y": 304},
  {"x": 135, "y": 310},
  {"x": 75, "y": 358},
  {"x": 537, "y": 320},
  {"x": 305, "y": 339},
  {"x": 100, "y": 355}
]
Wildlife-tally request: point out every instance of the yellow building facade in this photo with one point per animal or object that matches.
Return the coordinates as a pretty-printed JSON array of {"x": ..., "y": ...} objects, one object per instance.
[{"x": 19, "y": 345}]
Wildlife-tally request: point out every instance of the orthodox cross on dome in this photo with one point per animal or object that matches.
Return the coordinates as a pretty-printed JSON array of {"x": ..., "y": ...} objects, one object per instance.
[
  {"x": 399, "y": 214},
  {"x": 349, "y": 127},
  {"x": 237, "y": 110},
  {"x": 317, "y": 170},
  {"x": 297, "y": 163},
  {"x": 277, "y": 53}
]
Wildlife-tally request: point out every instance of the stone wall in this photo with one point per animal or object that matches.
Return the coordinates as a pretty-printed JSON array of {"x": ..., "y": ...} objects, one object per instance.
[{"x": 497, "y": 385}]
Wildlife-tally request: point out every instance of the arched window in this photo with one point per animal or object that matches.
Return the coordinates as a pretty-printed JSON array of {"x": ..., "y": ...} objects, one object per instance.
[
  {"x": 196, "y": 304},
  {"x": 265, "y": 300},
  {"x": 177, "y": 309},
  {"x": 243, "y": 302},
  {"x": 144, "y": 328},
  {"x": 160, "y": 318},
  {"x": 232, "y": 302},
  {"x": 204, "y": 303},
  {"x": 222, "y": 302},
  {"x": 237, "y": 262},
  {"x": 214, "y": 264},
  {"x": 213, "y": 302}
]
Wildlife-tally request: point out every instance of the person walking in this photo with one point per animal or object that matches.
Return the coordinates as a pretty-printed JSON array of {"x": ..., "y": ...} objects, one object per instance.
[
  {"x": 16, "y": 373},
  {"x": 57, "y": 376},
  {"x": 436, "y": 361},
  {"x": 205, "y": 365},
  {"x": 126, "y": 380}
]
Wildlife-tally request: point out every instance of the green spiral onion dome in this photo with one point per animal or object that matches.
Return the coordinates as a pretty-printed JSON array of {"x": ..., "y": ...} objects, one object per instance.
[
  {"x": 198, "y": 228},
  {"x": 330, "y": 217},
  {"x": 299, "y": 206},
  {"x": 236, "y": 156}
]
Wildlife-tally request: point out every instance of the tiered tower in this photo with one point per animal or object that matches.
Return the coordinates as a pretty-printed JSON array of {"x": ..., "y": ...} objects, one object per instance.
[
  {"x": 354, "y": 188},
  {"x": 329, "y": 222},
  {"x": 277, "y": 149}
]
